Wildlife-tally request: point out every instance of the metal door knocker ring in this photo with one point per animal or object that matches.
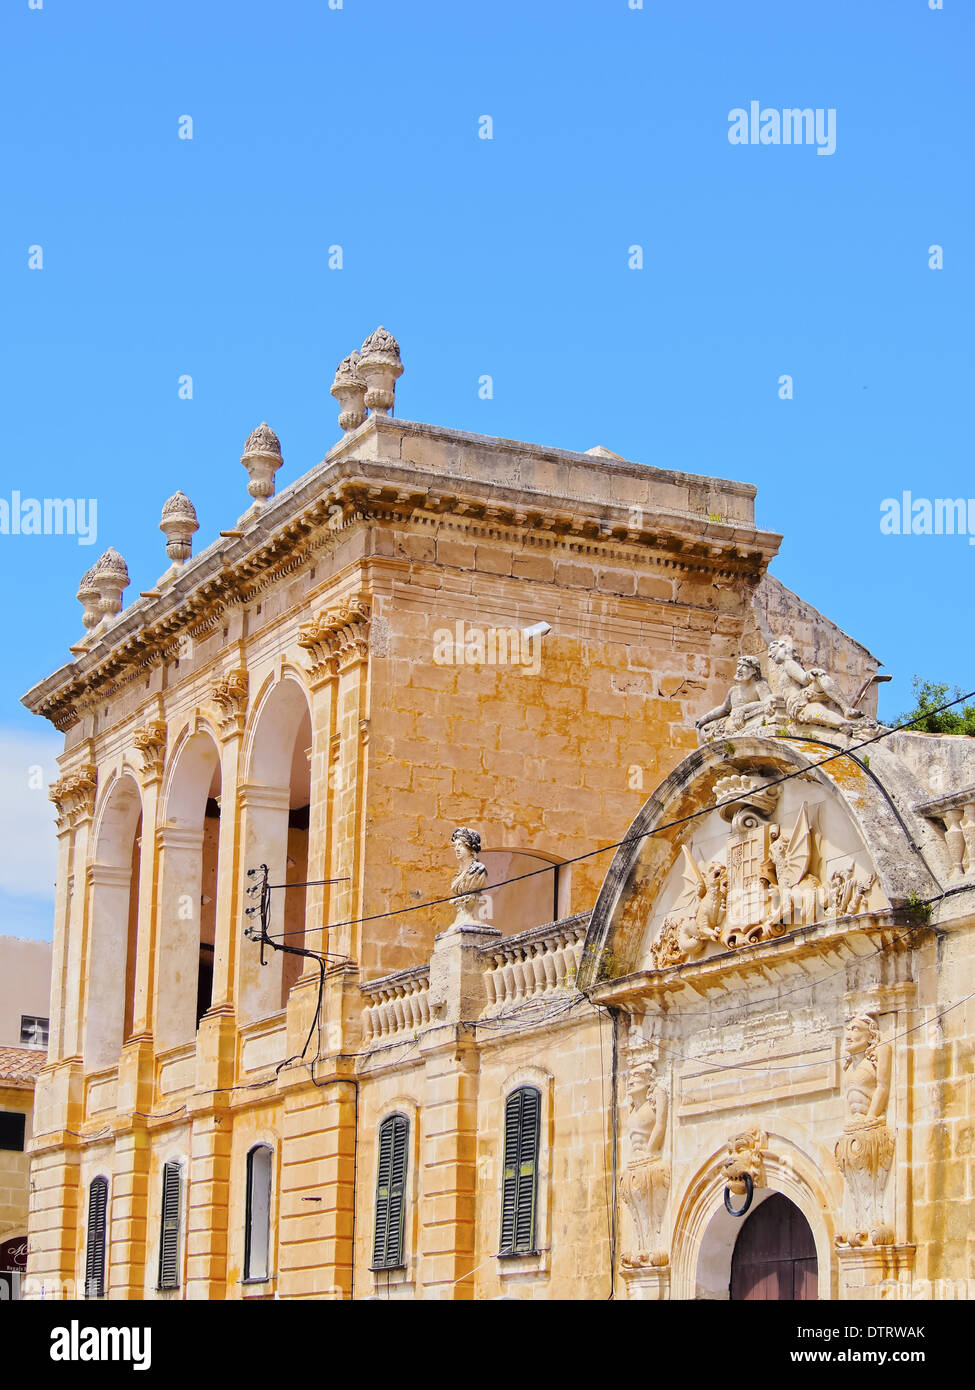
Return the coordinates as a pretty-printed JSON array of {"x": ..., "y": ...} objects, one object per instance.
[{"x": 749, "y": 1191}]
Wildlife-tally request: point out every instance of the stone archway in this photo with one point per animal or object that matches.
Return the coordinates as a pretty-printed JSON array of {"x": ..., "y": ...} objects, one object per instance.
[
  {"x": 113, "y": 884},
  {"x": 706, "y": 1234},
  {"x": 774, "y": 1256}
]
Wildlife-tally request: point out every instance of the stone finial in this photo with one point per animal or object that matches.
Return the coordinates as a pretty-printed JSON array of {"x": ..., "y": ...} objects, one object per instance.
[
  {"x": 349, "y": 389},
  {"x": 89, "y": 596},
  {"x": 178, "y": 523},
  {"x": 262, "y": 459},
  {"x": 110, "y": 575},
  {"x": 379, "y": 366}
]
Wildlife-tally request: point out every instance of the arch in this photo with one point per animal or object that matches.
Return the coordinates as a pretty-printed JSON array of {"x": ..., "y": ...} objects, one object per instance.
[
  {"x": 532, "y": 902},
  {"x": 113, "y": 884},
  {"x": 189, "y": 845},
  {"x": 271, "y": 740},
  {"x": 649, "y": 850},
  {"x": 774, "y": 1256},
  {"x": 275, "y": 800},
  {"x": 705, "y": 1233},
  {"x": 195, "y": 756},
  {"x": 116, "y": 817}
]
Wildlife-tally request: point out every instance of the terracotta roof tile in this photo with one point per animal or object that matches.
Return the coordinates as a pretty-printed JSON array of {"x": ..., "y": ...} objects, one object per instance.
[{"x": 19, "y": 1065}]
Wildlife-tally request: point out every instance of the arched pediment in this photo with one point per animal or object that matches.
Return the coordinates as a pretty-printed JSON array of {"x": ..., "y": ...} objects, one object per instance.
[{"x": 799, "y": 842}]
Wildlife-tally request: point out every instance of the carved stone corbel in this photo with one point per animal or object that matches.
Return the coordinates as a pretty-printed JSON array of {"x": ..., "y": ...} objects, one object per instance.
[
  {"x": 229, "y": 694},
  {"x": 336, "y": 638},
  {"x": 74, "y": 796},
  {"x": 150, "y": 741}
]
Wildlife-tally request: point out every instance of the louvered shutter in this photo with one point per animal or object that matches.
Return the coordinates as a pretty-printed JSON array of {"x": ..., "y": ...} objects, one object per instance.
[
  {"x": 95, "y": 1253},
  {"x": 522, "y": 1115},
  {"x": 387, "y": 1248},
  {"x": 169, "y": 1228}
]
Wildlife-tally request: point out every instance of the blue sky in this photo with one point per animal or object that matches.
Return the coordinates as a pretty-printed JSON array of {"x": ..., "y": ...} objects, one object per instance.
[{"x": 507, "y": 257}]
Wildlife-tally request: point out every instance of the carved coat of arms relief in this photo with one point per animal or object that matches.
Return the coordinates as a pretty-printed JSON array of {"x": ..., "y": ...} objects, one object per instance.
[{"x": 765, "y": 885}]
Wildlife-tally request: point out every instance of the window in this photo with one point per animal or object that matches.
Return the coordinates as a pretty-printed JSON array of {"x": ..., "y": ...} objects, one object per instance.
[
  {"x": 387, "y": 1246},
  {"x": 95, "y": 1254},
  {"x": 12, "y": 1131},
  {"x": 169, "y": 1228},
  {"x": 257, "y": 1235},
  {"x": 522, "y": 1122},
  {"x": 33, "y": 1031}
]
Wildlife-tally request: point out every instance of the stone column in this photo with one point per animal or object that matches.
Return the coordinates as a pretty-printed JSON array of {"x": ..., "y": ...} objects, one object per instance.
[
  {"x": 317, "y": 1203},
  {"x": 136, "y": 1070},
  {"x": 109, "y": 887},
  {"x": 264, "y": 839},
  {"x": 77, "y": 954},
  {"x": 216, "y": 1042},
  {"x": 208, "y": 1197},
  {"x": 129, "y": 1210},
  {"x": 180, "y": 852},
  {"x": 449, "y": 1135},
  {"x": 348, "y": 801},
  {"x": 60, "y": 970},
  {"x": 54, "y": 1216}
]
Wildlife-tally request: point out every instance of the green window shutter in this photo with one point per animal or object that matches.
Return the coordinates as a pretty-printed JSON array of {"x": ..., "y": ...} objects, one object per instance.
[
  {"x": 519, "y": 1189},
  {"x": 95, "y": 1252},
  {"x": 169, "y": 1228},
  {"x": 387, "y": 1247}
]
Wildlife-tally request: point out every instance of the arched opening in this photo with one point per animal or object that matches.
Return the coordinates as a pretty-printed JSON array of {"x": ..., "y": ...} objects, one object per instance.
[
  {"x": 114, "y": 879},
  {"x": 276, "y": 805},
  {"x": 774, "y": 1257},
  {"x": 190, "y": 840},
  {"x": 257, "y": 1231},
  {"x": 541, "y": 895}
]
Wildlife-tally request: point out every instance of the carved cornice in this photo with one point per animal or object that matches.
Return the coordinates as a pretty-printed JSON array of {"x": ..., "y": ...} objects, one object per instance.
[
  {"x": 337, "y": 638},
  {"x": 74, "y": 796},
  {"x": 229, "y": 694},
  {"x": 344, "y": 492},
  {"x": 150, "y": 741}
]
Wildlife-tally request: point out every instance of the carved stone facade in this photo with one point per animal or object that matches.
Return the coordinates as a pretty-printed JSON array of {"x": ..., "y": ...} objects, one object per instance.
[{"x": 756, "y": 993}]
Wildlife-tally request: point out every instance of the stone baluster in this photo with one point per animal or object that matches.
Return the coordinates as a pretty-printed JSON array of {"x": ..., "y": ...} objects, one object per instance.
[
  {"x": 492, "y": 982},
  {"x": 968, "y": 830},
  {"x": 955, "y": 843}
]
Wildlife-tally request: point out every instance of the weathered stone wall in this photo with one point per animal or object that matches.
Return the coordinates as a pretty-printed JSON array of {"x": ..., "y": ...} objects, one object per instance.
[{"x": 778, "y": 612}]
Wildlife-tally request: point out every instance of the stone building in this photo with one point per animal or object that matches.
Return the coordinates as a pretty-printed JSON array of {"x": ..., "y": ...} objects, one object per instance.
[
  {"x": 25, "y": 991},
  {"x": 601, "y": 949}
]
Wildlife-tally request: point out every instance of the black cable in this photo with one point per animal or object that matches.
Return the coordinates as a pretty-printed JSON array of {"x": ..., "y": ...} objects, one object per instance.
[{"x": 646, "y": 834}]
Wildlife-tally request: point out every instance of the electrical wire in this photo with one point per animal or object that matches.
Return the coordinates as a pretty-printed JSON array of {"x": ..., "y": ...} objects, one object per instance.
[{"x": 630, "y": 839}]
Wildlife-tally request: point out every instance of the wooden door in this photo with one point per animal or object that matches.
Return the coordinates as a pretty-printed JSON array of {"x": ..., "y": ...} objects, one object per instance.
[{"x": 775, "y": 1254}]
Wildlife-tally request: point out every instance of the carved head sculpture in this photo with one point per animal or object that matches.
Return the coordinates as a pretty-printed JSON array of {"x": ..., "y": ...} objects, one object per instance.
[
  {"x": 466, "y": 843},
  {"x": 749, "y": 668},
  {"x": 782, "y": 649},
  {"x": 641, "y": 1088},
  {"x": 861, "y": 1038},
  {"x": 745, "y": 1156}
]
